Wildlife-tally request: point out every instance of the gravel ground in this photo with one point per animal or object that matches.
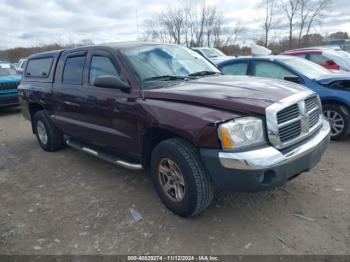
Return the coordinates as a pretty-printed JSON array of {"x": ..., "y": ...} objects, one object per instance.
[{"x": 68, "y": 202}]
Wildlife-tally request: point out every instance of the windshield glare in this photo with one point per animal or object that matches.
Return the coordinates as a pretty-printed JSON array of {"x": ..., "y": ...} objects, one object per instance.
[
  {"x": 307, "y": 68},
  {"x": 7, "y": 70},
  {"x": 152, "y": 61}
]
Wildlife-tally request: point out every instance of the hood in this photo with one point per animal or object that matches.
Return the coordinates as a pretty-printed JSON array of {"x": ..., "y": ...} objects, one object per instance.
[
  {"x": 10, "y": 79},
  {"x": 233, "y": 93},
  {"x": 333, "y": 77}
]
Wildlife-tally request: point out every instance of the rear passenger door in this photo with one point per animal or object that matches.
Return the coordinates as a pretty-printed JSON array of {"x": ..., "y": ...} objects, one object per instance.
[{"x": 69, "y": 94}]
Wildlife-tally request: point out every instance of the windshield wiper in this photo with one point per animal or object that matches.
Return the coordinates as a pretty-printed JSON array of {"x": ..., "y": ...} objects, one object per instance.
[
  {"x": 164, "y": 78},
  {"x": 205, "y": 73}
]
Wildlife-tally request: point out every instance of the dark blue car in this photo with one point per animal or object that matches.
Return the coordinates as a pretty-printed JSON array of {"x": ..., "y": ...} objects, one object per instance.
[
  {"x": 333, "y": 88},
  {"x": 9, "y": 81}
]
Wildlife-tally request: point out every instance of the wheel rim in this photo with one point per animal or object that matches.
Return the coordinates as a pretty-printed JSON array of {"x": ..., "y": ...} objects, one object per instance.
[
  {"x": 336, "y": 121},
  {"x": 171, "y": 180},
  {"x": 40, "y": 128}
]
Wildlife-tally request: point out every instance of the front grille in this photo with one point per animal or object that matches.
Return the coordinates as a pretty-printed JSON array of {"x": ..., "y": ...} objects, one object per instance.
[
  {"x": 290, "y": 131},
  {"x": 311, "y": 103},
  {"x": 9, "y": 85},
  {"x": 288, "y": 113},
  {"x": 298, "y": 119}
]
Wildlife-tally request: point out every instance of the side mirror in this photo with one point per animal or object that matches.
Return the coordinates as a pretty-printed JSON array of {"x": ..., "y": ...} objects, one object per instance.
[
  {"x": 109, "y": 81},
  {"x": 294, "y": 79},
  {"x": 330, "y": 62}
]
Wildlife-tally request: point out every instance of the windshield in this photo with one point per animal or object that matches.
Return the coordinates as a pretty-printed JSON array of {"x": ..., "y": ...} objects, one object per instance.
[
  {"x": 7, "y": 70},
  {"x": 166, "y": 62},
  {"x": 212, "y": 52},
  {"x": 307, "y": 68}
]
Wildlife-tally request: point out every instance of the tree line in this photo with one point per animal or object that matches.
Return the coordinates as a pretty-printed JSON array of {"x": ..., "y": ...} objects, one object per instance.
[{"x": 284, "y": 24}]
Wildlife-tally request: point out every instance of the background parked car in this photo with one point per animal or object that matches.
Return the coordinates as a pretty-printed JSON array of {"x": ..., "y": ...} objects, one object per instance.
[
  {"x": 9, "y": 81},
  {"x": 21, "y": 64},
  {"x": 326, "y": 57},
  {"x": 212, "y": 54},
  {"x": 333, "y": 88}
]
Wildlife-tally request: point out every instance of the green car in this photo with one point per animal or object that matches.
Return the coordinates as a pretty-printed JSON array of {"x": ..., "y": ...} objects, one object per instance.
[{"x": 9, "y": 80}]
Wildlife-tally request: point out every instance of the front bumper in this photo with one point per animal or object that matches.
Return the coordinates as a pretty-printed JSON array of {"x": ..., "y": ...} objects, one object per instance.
[
  {"x": 264, "y": 168},
  {"x": 9, "y": 99}
]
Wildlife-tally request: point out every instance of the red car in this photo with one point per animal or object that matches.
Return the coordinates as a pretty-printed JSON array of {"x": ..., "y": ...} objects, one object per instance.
[{"x": 317, "y": 56}]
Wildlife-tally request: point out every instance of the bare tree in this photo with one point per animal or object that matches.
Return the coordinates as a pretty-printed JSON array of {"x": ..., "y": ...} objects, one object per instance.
[
  {"x": 268, "y": 19},
  {"x": 311, "y": 11},
  {"x": 224, "y": 36},
  {"x": 290, "y": 9},
  {"x": 191, "y": 26},
  {"x": 319, "y": 7}
]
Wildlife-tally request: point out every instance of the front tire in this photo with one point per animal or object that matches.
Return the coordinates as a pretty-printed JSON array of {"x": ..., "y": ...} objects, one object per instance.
[
  {"x": 339, "y": 118},
  {"x": 49, "y": 137},
  {"x": 180, "y": 178}
]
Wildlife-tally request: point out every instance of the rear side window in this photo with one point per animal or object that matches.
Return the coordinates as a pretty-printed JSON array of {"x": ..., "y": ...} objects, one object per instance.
[
  {"x": 101, "y": 65},
  {"x": 235, "y": 69},
  {"x": 39, "y": 67},
  {"x": 73, "y": 70}
]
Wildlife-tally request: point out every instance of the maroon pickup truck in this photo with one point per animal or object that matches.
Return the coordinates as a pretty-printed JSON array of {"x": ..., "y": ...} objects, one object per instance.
[{"x": 165, "y": 109}]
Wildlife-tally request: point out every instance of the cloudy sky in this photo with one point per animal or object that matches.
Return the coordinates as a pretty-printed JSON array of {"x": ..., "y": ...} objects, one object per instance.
[{"x": 30, "y": 22}]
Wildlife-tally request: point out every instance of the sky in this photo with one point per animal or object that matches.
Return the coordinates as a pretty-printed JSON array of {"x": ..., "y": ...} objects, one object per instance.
[{"x": 25, "y": 23}]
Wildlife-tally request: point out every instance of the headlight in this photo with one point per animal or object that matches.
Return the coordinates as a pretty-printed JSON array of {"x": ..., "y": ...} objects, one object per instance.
[{"x": 241, "y": 132}]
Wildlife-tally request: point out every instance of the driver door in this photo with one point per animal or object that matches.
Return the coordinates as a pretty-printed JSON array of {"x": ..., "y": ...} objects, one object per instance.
[{"x": 109, "y": 112}]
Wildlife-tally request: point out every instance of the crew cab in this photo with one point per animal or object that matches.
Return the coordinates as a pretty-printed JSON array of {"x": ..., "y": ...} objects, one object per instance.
[{"x": 166, "y": 109}]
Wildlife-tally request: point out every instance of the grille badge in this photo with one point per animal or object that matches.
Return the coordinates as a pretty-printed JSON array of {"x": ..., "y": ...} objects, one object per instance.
[{"x": 304, "y": 121}]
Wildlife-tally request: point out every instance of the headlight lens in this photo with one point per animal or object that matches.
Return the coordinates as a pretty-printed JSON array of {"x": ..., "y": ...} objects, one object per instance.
[{"x": 241, "y": 132}]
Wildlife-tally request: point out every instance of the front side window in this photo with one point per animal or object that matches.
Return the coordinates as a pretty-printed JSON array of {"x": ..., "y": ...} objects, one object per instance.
[
  {"x": 270, "y": 70},
  {"x": 73, "y": 70},
  {"x": 101, "y": 65},
  {"x": 39, "y": 67},
  {"x": 235, "y": 69}
]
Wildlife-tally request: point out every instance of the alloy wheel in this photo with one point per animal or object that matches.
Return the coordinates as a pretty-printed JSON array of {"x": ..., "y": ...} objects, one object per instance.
[
  {"x": 171, "y": 180},
  {"x": 42, "y": 134},
  {"x": 336, "y": 121}
]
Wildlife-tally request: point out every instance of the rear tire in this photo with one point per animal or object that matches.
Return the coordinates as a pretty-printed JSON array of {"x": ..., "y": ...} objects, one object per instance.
[
  {"x": 49, "y": 137},
  {"x": 339, "y": 118},
  {"x": 184, "y": 185}
]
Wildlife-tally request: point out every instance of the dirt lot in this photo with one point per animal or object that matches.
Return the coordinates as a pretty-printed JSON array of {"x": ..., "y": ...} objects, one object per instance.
[{"x": 72, "y": 203}]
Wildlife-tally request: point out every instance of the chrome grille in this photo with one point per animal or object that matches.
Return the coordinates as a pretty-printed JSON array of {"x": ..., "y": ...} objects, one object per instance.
[
  {"x": 294, "y": 119},
  {"x": 311, "y": 103},
  {"x": 287, "y": 114},
  {"x": 290, "y": 131}
]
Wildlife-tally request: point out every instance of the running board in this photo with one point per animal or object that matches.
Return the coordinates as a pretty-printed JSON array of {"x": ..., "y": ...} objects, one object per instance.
[{"x": 108, "y": 157}]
